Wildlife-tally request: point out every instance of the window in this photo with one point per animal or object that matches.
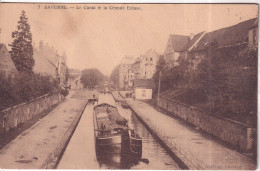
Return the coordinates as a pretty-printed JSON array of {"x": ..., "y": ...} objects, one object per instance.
[
  {"x": 254, "y": 37},
  {"x": 151, "y": 59},
  {"x": 143, "y": 93}
]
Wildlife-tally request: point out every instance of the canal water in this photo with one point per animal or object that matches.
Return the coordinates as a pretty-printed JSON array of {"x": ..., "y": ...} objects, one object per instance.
[
  {"x": 80, "y": 152},
  {"x": 154, "y": 156}
]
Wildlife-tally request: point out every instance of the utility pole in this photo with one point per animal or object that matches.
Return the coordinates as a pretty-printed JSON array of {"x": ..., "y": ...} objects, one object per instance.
[{"x": 159, "y": 87}]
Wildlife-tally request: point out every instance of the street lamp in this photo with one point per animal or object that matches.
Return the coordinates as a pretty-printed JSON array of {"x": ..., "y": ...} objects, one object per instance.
[{"x": 159, "y": 87}]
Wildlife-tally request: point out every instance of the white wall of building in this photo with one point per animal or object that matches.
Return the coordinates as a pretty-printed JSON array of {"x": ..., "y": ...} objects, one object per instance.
[{"x": 143, "y": 94}]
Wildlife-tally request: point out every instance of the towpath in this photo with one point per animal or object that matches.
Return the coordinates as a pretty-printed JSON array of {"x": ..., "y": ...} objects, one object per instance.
[
  {"x": 35, "y": 147},
  {"x": 197, "y": 151}
]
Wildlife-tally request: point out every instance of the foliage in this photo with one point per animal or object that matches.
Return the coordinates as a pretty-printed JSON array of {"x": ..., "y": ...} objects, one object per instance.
[
  {"x": 115, "y": 75},
  {"x": 21, "y": 47},
  {"x": 169, "y": 78},
  {"x": 23, "y": 87},
  {"x": 91, "y": 78},
  {"x": 160, "y": 73},
  {"x": 224, "y": 83},
  {"x": 229, "y": 79},
  {"x": 67, "y": 73}
]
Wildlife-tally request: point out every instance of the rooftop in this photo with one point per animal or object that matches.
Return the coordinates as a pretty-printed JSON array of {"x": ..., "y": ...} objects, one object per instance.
[
  {"x": 227, "y": 36},
  {"x": 128, "y": 60},
  {"x": 179, "y": 41}
]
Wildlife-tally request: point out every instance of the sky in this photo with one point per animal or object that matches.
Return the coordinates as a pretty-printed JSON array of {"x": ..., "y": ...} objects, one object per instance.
[{"x": 100, "y": 38}]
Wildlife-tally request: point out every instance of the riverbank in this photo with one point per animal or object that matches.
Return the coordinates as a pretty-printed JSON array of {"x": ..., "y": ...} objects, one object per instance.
[
  {"x": 195, "y": 150},
  {"x": 40, "y": 146}
]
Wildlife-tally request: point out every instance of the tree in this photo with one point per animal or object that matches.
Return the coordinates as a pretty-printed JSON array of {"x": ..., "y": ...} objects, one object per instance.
[
  {"x": 160, "y": 68},
  {"x": 67, "y": 73},
  {"x": 21, "y": 47},
  {"x": 91, "y": 78},
  {"x": 228, "y": 77},
  {"x": 115, "y": 75}
]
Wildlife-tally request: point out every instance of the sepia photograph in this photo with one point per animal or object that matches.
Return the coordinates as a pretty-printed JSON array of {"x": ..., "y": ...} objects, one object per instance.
[{"x": 120, "y": 86}]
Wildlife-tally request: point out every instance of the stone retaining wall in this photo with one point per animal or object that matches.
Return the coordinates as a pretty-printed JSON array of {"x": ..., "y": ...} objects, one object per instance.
[
  {"x": 118, "y": 97},
  {"x": 53, "y": 159},
  {"x": 236, "y": 134},
  {"x": 17, "y": 115}
]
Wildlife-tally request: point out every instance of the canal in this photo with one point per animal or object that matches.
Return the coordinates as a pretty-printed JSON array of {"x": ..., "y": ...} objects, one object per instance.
[{"x": 154, "y": 156}]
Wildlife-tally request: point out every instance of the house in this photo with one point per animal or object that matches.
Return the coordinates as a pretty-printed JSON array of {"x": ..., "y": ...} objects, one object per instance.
[
  {"x": 143, "y": 89},
  {"x": 6, "y": 63},
  {"x": 144, "y": 66},
  {"x": 74, "y": 79},
  {"x": 49, "y": 62},
  {"x": 191, "y": 43},
  {"x": 241, "y": 34},
  {"x": 148, "y": 64},
  {"x": 124, "y": 70},
  {"x": 174, "y": 46},
  {"x": 253, "y": 34},
  {"x": 136, "y": 67},
  {"x": 62, "y": 69}
]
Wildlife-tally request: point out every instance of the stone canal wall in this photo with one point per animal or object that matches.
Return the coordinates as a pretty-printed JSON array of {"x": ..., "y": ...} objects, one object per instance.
[
  {"x": 236, "y": 134},
  {"x": 117, "y": 96},
  {"x": 52, "y": 161},
  {"x": 17, "y": 115}
]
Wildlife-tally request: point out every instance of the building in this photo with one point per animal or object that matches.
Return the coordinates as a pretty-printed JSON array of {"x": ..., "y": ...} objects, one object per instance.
[
  {"x": 62, "y": 69},
  {"x": 174, "y": 46},
  {"x": 74, "y": 79},
  {"x": 148, "y": 64},
  {"x": 124, "y": 70},
  {"x": 239, "y": 35},
  {"x": 136, "y": 67},
  {"x": 6, "y": 63},
  {"x": 143, "y": 67},
  {"x": 253, "y": 34},
  {"x": 191, "y": 43},
  {"x": 49, "y": 62},
  {"x": 143, "y": 89}
]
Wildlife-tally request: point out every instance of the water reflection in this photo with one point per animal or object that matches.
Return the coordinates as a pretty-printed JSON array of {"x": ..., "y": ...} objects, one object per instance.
[
  {"x": 153, "y": 155},
  {"x": 116, "y": 160}
]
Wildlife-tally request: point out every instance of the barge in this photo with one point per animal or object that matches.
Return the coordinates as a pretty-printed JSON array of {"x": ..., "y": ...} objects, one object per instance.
[{"x": 112, "y": 134}]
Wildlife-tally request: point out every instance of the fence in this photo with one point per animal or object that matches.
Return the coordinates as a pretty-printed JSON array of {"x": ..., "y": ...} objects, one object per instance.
[
  {"x": 236, "y": 134},
  {"x": 17, "y": 115}
]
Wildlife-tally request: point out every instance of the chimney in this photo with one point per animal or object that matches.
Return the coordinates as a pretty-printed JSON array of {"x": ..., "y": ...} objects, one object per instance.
[
  {"x": 191, "y": 36},
  {"x": 41, "y": 45}
]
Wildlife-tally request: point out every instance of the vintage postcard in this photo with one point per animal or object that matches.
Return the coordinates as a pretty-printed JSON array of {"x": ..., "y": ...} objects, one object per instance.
[{"x": 128, "y": 86}]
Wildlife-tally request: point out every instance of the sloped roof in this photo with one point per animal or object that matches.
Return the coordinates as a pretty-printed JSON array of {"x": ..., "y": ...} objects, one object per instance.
[
  {"x": 226, "y": 36},
  {"x": 74, "y": 72},
  {"x": 144, "y": 83},
  {"x": 6, "y": 62},
  {"x": 128, "y": 60},
  {"x": 42, "y": 64},
  {"x": 255, "y": 24},
  {"x": 150, "y": 52},
  {"x": 192, "y": 41},
  {"x": 179, "y": 41}
]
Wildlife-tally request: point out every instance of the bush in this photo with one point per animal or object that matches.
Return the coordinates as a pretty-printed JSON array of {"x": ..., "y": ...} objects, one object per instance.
[
  {"x": 23, "y": 87},
  {"x": 224, "y": 83}
]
